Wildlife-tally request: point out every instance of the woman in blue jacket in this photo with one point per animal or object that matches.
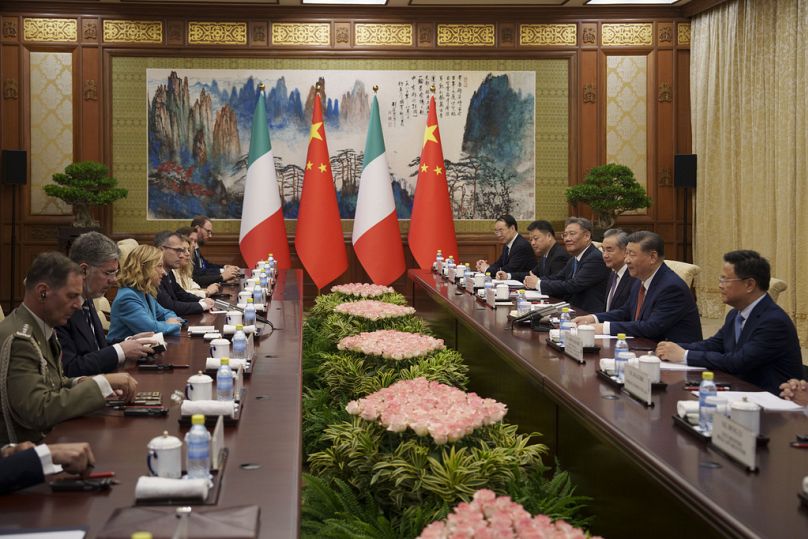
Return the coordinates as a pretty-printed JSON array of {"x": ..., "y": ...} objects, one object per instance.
[{"x": 135, "y": 308}]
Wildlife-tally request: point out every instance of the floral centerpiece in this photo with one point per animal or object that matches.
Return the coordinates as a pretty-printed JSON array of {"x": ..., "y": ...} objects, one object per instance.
[
  {"x": 422, "y": 444},
  {"x": 491, "y": 516}
]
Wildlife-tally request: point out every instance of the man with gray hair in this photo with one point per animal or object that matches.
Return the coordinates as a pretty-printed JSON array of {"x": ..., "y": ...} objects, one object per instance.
[
  {"x": 36, "y": 393},
  {"x": 170, "y": 294},
  {"x": 614, "y": 256},
  {"x": 84, "y": 346}
]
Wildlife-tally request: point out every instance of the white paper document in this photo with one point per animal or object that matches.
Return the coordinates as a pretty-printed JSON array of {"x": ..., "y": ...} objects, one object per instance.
[
  {"x": 610, "y": 337},
  {"x": 534, "y": 295},
  {"x": 667, "y": 366},
  {"x": 510, "y": 282},
  {"x": 766, "y": 400}
]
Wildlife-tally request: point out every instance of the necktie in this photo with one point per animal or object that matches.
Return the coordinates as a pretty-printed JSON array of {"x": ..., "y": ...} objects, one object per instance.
[
  {"x": 55, "y": 347},
  {"x": 640, "y": 300},
  {"x": 505, "y": 252},
  {"x": 543, "y": 271},
  {"x": 88, "y": 315},
  {"x": 612, "y": 288},
  {"x": 574, "y": 266},
  {"x": 738, "y": 326}
]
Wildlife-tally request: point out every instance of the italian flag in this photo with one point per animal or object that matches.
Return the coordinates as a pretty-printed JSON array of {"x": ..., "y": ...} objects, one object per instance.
[
  {"x": 376, "y": 236},
  {"x": 262, "y": 227}
]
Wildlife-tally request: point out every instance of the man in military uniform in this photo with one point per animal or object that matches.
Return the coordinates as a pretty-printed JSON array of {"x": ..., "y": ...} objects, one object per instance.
[{"x": 34, "y": 393}]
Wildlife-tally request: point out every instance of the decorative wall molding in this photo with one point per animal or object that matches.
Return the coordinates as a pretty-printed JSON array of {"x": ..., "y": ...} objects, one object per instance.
[
  {"x": 683, "y": 33},
  {"x": 665, "y": 33},
  {"x": 259, "y": 33},
  {"x": 543, "y": 35},
  {"x": 589, "y": 33},
  {"x": 426, "y": 35},
  {"x": 58, "y": 30},
  {"x": 665, "y": 93},
  {"x": 9, "y": 27},
  {"x": 298, "y": 33},
  {"x": 89, "y": 30},
  {"x": 126, "y": 31},
  {"x": 367, "y": 34},
  {"x": 666, "y": 176},
  {"x": 217, "y": 33},
  {"x": 466, "y": 35},
  {"x": 90, "y": 91},
  {"x": 619, "y": 34},
  {"x": 590, "y": 94},
  {"x": 10, "y": 89},
  {"x": 342, "y": 34}
]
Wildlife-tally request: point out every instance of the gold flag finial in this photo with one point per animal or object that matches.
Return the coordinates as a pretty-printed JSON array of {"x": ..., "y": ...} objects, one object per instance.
[
  {"x": 261, "y": 86},
  {"x": 375, "y": 88},
  {"x": 432, "y": 88}
]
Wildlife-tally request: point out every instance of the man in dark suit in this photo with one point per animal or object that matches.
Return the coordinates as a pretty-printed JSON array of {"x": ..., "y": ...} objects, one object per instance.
[
  {"x": 660, "y": 306},
  {"x": 582, "y": 281},
  {"x": 170, "y": 294},
  {"x": 205, "y": 272},
  {"x": 84, "y": 346},
  {"x": 517, "y": 255},
  {"x": 24, "y": 465},
  {"x": 551, "y": 255},
  {"x": 758, "y": 341},
  {"x": 620, "y": 280}
]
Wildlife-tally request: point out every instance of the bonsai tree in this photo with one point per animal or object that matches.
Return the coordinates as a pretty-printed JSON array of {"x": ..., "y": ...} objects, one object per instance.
[
  {"x": 609, "y": 190},
  {"x": 83, "y": 185}
]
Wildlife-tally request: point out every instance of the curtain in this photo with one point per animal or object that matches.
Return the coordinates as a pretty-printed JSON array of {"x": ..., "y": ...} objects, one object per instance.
[{"x": 749, "y": 103}]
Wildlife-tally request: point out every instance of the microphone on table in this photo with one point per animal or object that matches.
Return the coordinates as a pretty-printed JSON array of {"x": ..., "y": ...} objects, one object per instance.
[
  {"x": 541, "y": 312},
  {"x": 224, "y": 305}
]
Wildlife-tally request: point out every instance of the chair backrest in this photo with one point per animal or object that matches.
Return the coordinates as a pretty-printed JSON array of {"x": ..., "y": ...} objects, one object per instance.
[
  {"x": 103, "y": 308},
  {"x": 2, "y": 316},
  {"x": 684, "y": 270},
  {"x": 776, "y": 287},
  {"x": 126, "y": 246},
  {"x": 599, "y": 245}
]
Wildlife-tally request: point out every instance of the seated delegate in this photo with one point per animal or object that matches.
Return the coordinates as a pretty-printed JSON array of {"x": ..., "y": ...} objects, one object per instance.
[{"x": 24, "y": 465}]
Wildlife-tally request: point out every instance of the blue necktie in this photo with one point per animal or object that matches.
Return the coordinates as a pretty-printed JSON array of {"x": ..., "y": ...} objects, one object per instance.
[
  {"x": 574, "y": 266},
  {"x": 738, "y": 326}
]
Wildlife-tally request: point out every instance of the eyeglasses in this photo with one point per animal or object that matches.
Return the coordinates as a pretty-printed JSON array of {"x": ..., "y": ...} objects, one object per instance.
[
  {"x": 722, "y": 280},
  {"x": 178, "y": 250},
  {"x": 108, "y": 273}
]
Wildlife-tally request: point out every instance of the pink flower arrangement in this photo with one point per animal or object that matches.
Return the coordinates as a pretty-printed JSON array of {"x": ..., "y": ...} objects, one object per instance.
[
  {"x": 363, "y": 290},
  {"x": 444, "y": 412},
  {"x": 391, "y": 344},
  {"x": 373, "y": 310},
  {"x": 489, "y": 516}
]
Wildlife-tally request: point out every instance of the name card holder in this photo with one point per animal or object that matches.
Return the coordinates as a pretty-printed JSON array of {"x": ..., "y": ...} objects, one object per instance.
[
  {"x": 736, "y": 441},
  {"x": 469, "y": 284},
  {"x": 637, "y": 383},
  {"x": 574, "y": 347},
  {"x": 491, "y": 297}
]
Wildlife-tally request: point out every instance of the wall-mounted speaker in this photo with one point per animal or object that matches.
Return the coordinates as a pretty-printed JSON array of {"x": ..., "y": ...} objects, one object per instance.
[
  {"x": 684, "y": 170},
  {"x": 14, "y": 167}
]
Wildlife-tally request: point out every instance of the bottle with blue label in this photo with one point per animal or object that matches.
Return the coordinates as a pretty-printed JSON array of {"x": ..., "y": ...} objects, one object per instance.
[
  {"x": 706, "y": 409},
  {"x": 239, "y": 343},
  {"x": 564, "y": 325},
  {"x": 224, "y": 380},
  {"x": 263, "y": 280},
  {"x": 258, "y": 295},
  {"x": 197, "y": 443},
  {"x": 273, "y": 265},
  {"x": 621, "y": 354},
  {"x": 438, "y": 264},
  {"x": 522, "y": 304},
  {"x": 249, "y": 312}
]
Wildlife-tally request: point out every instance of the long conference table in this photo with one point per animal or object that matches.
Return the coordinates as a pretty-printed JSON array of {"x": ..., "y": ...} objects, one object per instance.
[
  {"x": 646, "y": 477},
  {"x": 263, "y": 467}
]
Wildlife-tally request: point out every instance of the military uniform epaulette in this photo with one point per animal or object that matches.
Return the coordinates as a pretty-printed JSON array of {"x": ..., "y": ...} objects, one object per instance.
[{"x": 25, "y": 333}]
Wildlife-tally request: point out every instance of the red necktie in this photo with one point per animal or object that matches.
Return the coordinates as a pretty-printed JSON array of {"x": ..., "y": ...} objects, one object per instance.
[{"x": 640, "y": 299}]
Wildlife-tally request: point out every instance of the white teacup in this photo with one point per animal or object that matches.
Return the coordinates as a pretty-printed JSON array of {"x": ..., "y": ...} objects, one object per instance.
[
  {"x": 250, "y": 283},
  {"x": 219, "y": 348},
  {"x": 199, "y": 387},
  {"x": 651, "y": 365},
  {"x": 747, "y": 414},
  {"x": 587, "y": 335},
  {"x": 243, "y": 295},
  {"x": 164, "y": 458},
  {"x": 479, "y": 280},
  {"x": 234, "y": 318},
  {"x": 502, "y": 292}
]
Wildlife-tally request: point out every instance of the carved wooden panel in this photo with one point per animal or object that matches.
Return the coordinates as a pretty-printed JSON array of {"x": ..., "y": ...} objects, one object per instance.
[
  {"x": 507, "y": 35},
  {"x": 466, "y": 35},
  {"x": 217, "y": 33},
  {"x": 589, "y": 34},
  {"x": 10, "y": 32},
  {"x": 298, "y": 33},
  {"x": 376, "y": 35},
  {"x": 259, "y": 33},
  {"x": 89, "y": 30},
  {"x": 53, "y": 30},
  {"x": 175, "y": 33},
  {"x": 342, "y": 34},
  {"x": 631, "y": 34},
  {"x": 665, "y": 34},
  {"x": 543, "y": 35},
  {"x": 125, "y": 31},
  {"x": 683, "y": 33},
  {"x": 426, "y": 34}
]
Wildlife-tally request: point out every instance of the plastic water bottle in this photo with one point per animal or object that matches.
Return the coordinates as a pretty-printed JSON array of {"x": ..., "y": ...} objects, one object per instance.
[
  {"x": 564, "y": 324},
  {"x": 240, "y": 343},
  {"x": 249, "y": 312},
  {"x": 224, "y": 381},
  {"x": 706, "y": 409},
  {"x": 258, "y": 295},
  {"x": 450, "y": 264},
  {"x": 197, "y": 443},
  {"x": 522, "y": 304},
  {"x": 438, "y": 264},
  {"x": 489, "y": 282},
  {"x": 263, "y": 280},
  {"x": 621, "y": 354}
]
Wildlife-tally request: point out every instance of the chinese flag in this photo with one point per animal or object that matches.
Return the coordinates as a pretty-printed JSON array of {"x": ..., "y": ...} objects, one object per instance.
[
  {"x": 318, "y": 239},
  {"x": 431, "y": 225}
]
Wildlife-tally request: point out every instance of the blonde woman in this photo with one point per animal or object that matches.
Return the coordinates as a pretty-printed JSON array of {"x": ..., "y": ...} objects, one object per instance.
[
  {"x": 185, "y": 273},
  {"x": 135, "y": 308}
]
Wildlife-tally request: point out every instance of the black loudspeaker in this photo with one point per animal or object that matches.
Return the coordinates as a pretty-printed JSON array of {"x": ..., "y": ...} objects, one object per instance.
[
  {"x": 15, "y": 167},
  {"x": 684, "y": 170}
]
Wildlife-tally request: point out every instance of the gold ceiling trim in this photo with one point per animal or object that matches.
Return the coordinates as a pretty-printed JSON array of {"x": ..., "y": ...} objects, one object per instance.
[
  {"x": 618, "y": 35},
  {"x": 63, "y": 30},
  {"x": 466, "y": 35},
  {"x": 298, "y": 33},
  {"x": 126, "y": 31},
  {"x": 543, "y": 35},
  {"x": 217, "y": 33},
  {"x": 383, "y": 34}
]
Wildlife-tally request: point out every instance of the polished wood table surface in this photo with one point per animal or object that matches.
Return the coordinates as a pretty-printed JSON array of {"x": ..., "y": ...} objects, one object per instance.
[
  {"x": 647, "y": 477},
  {"x": 268, "y": 434}
]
